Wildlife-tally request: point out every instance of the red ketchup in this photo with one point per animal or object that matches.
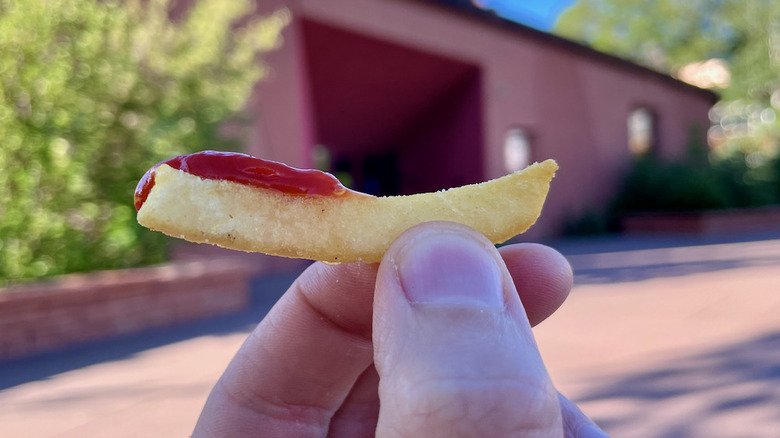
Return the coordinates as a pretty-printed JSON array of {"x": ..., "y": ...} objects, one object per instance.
[{"x": 248, "y": 170}]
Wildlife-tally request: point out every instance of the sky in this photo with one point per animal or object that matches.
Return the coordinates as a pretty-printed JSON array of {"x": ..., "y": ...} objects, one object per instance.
[{"x": 540, "y": 14}]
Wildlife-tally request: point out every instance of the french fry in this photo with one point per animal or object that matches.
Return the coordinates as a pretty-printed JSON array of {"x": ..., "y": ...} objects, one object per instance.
[{"x": 339, "y": 228}]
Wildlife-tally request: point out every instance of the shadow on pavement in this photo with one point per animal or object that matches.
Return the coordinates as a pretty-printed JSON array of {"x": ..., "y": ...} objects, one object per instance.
[
  {"x": 265, "y": 290},
  {"x": 700, "y": 388},
  {"x": 624, "y": 274},
  {"x": 631, "y": 242},
  {"x": 615, "y": 259}
]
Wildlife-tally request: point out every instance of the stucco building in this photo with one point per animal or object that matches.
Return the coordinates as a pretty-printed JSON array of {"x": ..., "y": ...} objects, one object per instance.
[{"x": 406, "y": 96}]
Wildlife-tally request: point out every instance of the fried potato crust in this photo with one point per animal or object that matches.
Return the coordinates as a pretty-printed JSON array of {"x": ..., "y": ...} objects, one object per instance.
[{"x": 334, "y": 229}]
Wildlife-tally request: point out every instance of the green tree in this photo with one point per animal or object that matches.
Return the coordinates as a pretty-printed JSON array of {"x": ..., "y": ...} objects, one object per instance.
[
  {"x": 93, "y": 93},
  {"x": 668, "y": 34}
]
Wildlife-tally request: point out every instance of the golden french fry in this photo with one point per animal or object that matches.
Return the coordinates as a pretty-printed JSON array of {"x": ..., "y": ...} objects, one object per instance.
[{"x": 344, "y": 228}]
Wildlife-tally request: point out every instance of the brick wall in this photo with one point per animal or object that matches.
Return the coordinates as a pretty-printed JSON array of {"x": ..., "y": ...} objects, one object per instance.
[
  {"x": 74, "y": 309},
  {"x": 704, "y": 222}
]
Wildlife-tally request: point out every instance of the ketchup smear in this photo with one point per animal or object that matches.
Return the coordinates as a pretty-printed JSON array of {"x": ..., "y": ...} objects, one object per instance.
[{"x": 248, "y": 170}]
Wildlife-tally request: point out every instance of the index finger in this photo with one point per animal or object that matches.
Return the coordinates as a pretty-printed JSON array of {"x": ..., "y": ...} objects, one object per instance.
[
  {"x": 542, "y": 277},
  {"x": 297, "y": 367}
]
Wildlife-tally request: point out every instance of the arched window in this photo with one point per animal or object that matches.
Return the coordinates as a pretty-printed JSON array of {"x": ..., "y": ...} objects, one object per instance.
[
  {"x": 517, "y": 149},
  {"x": 641, "y": 131}
]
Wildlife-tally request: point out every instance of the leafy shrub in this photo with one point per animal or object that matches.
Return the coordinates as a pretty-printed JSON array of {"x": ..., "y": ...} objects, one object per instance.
[
  {"x": 750, "y": 180},
  {"x": 590, "y": 223},
  {"x": 733, "y": 182},
  {"x": 92, "y": 93},
  {"x": 655, "y": 185}
]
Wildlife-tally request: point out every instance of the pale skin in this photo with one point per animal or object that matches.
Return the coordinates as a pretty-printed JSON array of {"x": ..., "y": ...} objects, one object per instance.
[{"x": 434, "y": 341}]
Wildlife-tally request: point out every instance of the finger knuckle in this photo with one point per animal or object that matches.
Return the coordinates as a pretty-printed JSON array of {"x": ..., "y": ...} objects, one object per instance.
[{"x": 495, "y": 407}]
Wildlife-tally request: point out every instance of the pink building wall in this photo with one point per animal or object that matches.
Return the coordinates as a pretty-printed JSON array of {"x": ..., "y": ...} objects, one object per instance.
[{"x": 572, "y": 101}]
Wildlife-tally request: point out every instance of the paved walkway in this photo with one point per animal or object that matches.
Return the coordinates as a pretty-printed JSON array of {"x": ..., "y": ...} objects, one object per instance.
[{"x": 674, "y": 338}]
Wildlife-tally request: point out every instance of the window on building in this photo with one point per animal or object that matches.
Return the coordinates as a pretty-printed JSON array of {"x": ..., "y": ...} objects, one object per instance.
[
  {"x": 641, "y": 131},
  {"x": 517, "y": 150}
]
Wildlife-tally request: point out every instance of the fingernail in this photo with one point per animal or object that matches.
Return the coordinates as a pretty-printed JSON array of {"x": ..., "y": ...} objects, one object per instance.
[
  {"x": 440, "y": 267},
  {"x": 592, "y": 431}
]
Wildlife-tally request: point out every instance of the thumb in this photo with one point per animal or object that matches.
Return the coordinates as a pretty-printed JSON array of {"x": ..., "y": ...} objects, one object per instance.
[{"x": 452, "y": 343}]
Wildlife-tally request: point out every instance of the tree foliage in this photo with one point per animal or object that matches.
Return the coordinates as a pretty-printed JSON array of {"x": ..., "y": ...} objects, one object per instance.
[
  {"x": 668, "y": 34},
  {"x": 92, "y": 93}
]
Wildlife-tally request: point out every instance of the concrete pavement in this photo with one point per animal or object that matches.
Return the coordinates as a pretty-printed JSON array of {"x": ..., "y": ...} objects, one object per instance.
[{"x": 659, "y": 338}]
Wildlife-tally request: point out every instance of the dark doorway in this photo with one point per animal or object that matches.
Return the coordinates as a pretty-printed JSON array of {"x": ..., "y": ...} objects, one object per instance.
[{"x": 398, "y": 120}]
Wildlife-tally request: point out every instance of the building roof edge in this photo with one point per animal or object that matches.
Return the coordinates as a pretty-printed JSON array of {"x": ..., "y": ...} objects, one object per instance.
[{"x": 468, "y": 9}]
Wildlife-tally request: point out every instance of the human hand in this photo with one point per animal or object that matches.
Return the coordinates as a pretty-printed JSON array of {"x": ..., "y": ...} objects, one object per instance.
[{"x": 434, "y": 341}]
